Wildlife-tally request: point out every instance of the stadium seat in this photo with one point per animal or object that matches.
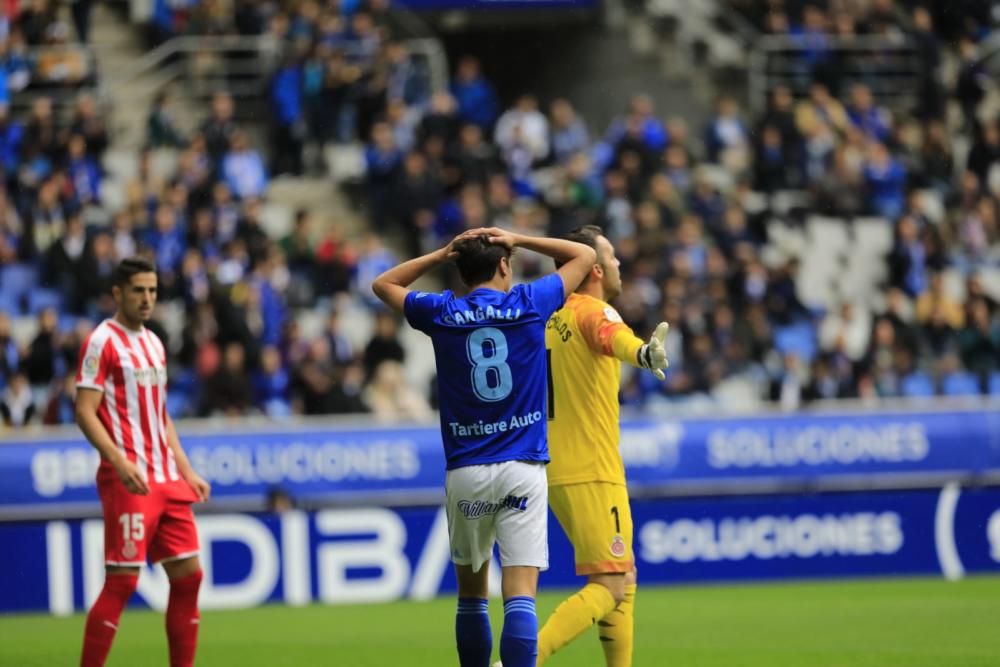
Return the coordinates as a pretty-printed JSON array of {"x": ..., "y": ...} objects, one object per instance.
[
  {"x": 23, "y": 330},
  {"x": 784, "y": 201},
  {"x": 9, "y": 305},
  {"x": 872, "y": 236},
  {"x": 994, "y": 384},
  {"x": 346, "y": 163},
  {"x": 960, "y": 384},
  {"x": 954, "y": 285},
  {"x": 41, "y": 299},
  {"x": 798, "y": 339},
  {"x": 276, "y": 219},
  {"x": 933, "y": 206},
  {"x": 17, "y": 280},
  {"x": 990, "y": 279},
  {"x": 918, "y": 385},
  {"x": 827, "y": 234}
]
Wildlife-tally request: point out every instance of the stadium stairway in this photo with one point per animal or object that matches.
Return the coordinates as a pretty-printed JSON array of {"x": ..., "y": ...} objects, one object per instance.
[{"x": 117, "y": 44}]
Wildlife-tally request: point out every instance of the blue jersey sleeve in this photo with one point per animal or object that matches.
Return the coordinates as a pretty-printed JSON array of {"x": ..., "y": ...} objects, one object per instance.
[
  {"x": 546, "y": 294},
  {"x": 420, "y": 309}
]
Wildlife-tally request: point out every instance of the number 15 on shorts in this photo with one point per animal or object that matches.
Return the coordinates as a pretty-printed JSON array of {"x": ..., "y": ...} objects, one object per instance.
[{"x": 133, "y": 526}]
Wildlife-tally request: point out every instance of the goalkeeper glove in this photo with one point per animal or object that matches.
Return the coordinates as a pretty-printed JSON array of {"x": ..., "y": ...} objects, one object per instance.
[{"x": 652, "y": 355}]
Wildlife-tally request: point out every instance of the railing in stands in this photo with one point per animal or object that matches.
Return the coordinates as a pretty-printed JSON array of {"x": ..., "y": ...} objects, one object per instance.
[
  {"x": 239, "y": 64},
  {"x": 889, "y": 66}
]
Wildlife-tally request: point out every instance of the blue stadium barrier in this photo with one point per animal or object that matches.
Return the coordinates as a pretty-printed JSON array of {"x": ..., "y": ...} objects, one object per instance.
[
  {"x": 768, "y": 497},
  {"x": 377, "y": 554}
]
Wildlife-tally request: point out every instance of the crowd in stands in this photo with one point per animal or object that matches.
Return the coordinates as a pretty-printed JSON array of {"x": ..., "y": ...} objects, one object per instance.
[
  {"x": 228, "y": 291},
  {"x": 695, "y": 246},
  {"x": 677, "y": 202},
  {"x": 37, "y": 49}
]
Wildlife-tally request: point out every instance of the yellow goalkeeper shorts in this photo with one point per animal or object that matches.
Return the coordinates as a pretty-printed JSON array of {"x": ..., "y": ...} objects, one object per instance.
[{"x": 597, "y": 519}]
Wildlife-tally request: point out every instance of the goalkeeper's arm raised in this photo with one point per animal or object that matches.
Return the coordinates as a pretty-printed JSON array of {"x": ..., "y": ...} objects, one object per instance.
[{"x": 651, "y": 355}]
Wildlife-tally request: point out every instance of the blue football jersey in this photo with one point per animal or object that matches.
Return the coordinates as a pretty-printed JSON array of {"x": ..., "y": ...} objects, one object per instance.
[{"x": 491, "y": 369}]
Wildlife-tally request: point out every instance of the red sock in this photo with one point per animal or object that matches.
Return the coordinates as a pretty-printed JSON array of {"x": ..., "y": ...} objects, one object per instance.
[
  {"x": 183, "y": 619},
  {"x": 102, "y": 621}
]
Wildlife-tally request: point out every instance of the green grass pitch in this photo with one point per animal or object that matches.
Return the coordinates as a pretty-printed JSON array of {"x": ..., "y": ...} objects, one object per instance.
[{"x": 861, "y": 623}]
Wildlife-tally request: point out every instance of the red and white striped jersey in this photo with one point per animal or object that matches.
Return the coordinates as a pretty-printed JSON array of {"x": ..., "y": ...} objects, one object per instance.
[{"x": 130, "y": 367}]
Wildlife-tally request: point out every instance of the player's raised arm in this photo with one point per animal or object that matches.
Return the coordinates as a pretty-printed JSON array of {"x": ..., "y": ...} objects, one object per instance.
[
  {"x": 393, "y": 285},
  {"x": 575, "y": 260}
]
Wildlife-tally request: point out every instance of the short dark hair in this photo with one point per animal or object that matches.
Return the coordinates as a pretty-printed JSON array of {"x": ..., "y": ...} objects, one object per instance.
[
  {"x": 587, "y": 235},
  {"x": 129, "y": 267},
  {"x": 478, "y": 259}
]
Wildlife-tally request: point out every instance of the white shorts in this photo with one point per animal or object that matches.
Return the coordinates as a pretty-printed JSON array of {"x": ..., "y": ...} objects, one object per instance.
[{"x": 506, "y": 503}]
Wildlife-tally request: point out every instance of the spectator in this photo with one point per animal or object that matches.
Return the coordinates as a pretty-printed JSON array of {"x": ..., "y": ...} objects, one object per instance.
[
  {"x": 773, "y": 161},
  {"x": 17, "y": 403},
  {"x": 384, "y": 345},
  {"x": 569, "y": 134},
  {"x": 228, "y": 390},
  {"x": 272, "y": 385},
  {"x": 985, "y": 153},
  {"x": 476, "y": 99},
  {"x": 315, "y": 379},
  {"x": 932, "y": 97},
  {"x": 341, "y": 348},
  {"x": 161, "y": 129},
  {"x": 937, "y": 160},
  {"x": 474, "y": 159},
  {"x": 299, "y": 249},
  {"x": 407, "y": 83},
  {"x": 847, "y": 332},
  {"x": 417, "y": 192},
  {"x": 391, "y": 399},
  {"x": 243, "y": 169},
  {"x": 35, "y": 21},
  {"x": 42, "y": 363},
  {"x": 726, "y": 137},
  {"x": 524, "y": 125},
  {"x": 41, "y": 139},
  {"x": 9, "y": 354},
  {"x": 88, "y": 123},
  {"x": 219, "y": 128},
  {"x": 441, "y": 120},
  {"x": 789, "y": 388},
  {"x": 288, "y": 118},
  {"x": 907, "y": 261},
  {"x": 383, "y": 160},
  {"x": 61, "y": 408},
  {"x": 886, "y": 179},
  {"x": 64, "y": 263},
  {"x": 972, "y": 82},
  {"x": 279, "y": 501},
  {"x": 979, "y": 341},
  {"x": 11, "y": 136},
  {"x": 935, "y": 303},
  {"x": 83, "y": 172},
  {"x": 866, "y": 116}
]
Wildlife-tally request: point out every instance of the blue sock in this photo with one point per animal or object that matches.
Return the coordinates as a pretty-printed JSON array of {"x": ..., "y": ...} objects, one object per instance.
[
  {"x": 472, "y": 633},
  {"x": 519, "y": 639}
]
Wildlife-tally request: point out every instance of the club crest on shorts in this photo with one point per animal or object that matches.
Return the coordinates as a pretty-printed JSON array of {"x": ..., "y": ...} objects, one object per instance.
[
  {"x": 618, "y": 546},
  {"x": 129, "y": 550}
]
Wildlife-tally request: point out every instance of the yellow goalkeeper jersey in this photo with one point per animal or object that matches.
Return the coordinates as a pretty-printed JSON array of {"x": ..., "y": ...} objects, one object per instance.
[{"x": 585, "y": 340}]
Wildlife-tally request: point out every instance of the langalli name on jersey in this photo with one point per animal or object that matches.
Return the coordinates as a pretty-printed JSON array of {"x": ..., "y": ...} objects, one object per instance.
[{"x": 483, "y": 315}]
